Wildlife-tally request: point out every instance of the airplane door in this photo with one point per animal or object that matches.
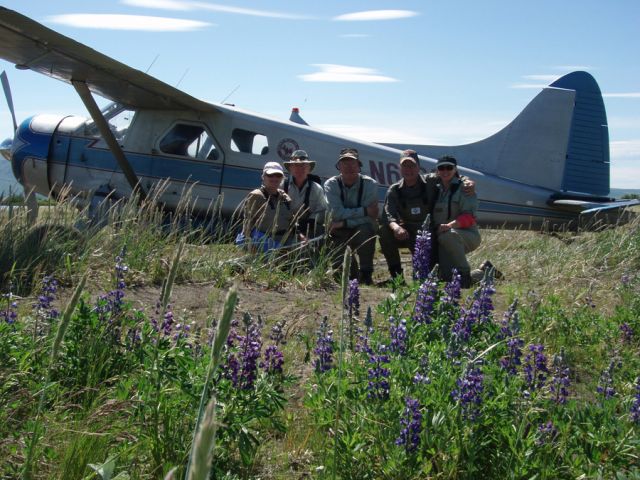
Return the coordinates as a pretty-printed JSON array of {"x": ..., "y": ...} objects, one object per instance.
[{"x": 193, "y": 163}]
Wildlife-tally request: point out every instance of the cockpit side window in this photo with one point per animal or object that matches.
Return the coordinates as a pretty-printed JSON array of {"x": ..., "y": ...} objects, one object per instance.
[
  {"x": 249, "y": 142},
  {"x": 119, "y": 119},
  {"x": 189, "y": 140}
]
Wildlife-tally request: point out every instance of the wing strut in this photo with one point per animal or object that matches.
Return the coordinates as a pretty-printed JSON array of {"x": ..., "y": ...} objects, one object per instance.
[{"x": 107, "y": 134}]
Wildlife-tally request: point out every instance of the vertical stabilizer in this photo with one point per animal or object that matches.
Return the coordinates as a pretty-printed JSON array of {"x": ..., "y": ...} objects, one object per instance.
[{"x": 560, "y": 141}]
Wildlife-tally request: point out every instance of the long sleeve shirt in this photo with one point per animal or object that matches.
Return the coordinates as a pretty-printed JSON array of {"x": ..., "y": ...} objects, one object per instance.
[{"x": 349, "y": 203}]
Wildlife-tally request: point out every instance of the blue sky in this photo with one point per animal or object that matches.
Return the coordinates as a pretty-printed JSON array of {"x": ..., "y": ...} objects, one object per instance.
[{"x": 406, "y": 71}]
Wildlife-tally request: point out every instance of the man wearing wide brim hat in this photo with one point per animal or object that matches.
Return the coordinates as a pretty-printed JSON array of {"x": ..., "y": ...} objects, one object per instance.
[{"x": 307, "y": 196}]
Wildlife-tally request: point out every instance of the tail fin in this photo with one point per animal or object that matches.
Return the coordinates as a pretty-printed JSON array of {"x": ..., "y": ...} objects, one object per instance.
[
  {"x": 559, "y": 141},
  {"x": 295, "y": 116}
]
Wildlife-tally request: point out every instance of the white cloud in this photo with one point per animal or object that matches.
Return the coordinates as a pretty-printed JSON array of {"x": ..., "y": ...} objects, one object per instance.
[
  {"x": 370, "y": 15},
  {"x": 345, "y": 74},
  {"x": 128, "y": 22},
  {"x": 625, "y": 150},
  {"x": 622, "y": 95},
  {"x": 213, "y": 7}
]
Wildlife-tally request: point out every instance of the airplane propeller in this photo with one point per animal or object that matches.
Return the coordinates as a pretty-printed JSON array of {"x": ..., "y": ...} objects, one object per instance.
[{"x": 7, "y": 95}]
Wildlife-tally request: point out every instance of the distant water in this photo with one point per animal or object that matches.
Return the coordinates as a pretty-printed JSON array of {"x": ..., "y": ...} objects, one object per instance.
[{"x": 8, "y": 183}]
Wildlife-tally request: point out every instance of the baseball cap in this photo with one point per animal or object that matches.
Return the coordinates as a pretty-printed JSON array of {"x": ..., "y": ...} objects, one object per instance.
[
  {"x": 410, "y": 155},
  {"x": 272, "y": 167},
  {"x": 447, "y": 160}
]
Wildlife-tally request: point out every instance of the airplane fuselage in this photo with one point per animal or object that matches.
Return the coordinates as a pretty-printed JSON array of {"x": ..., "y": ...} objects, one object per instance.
[{"x": 51, "y": 153}]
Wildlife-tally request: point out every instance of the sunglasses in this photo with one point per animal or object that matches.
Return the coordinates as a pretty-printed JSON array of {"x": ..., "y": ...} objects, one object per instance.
[
  {"x": 445, "y": 167},
  {"x": 271, "y": 175}
]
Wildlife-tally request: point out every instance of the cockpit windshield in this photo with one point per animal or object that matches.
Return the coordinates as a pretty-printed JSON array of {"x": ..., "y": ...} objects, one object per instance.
[{"x": 119, "y": 118}]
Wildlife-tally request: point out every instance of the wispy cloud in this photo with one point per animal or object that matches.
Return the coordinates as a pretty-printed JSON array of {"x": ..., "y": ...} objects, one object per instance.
[
  {"x": 626, "y": 150},
  {"x": 370, "y": 15},
  {"x": 212, "y": 7},
  {"x": 128, "y": 22},
  {"x": 622, "y": 95},
  {"x": 355, "y": 35},
  {"x": 345, "y": 74}
]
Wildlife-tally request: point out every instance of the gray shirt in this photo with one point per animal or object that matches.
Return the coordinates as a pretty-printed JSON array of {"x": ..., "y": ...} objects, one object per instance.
[
  {"x": 317, "y": 200},
  {"x": 343, "y": 200}
]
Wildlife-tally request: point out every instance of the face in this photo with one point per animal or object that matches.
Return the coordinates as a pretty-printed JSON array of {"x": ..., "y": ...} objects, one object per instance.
[
  {"x": 446, "y": 172},
  {"x": 272, "y": 182},
  {"x": 409, "y": 171},
  {"x": 300, "y": 170},
  {"x": 349, "y": 169}
]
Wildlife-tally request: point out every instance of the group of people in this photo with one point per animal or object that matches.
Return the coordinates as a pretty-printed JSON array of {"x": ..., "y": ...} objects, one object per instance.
[{"x": 345, "y": 211}]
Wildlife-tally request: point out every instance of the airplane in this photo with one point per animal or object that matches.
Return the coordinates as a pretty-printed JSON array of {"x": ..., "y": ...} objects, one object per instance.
[{"x": 548, "y": 168}]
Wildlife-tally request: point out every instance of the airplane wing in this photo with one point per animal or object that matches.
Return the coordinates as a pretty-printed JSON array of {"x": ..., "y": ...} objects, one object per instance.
[
  {"x": 30, "y": 45},
  {"x": 590, "y": 207}
]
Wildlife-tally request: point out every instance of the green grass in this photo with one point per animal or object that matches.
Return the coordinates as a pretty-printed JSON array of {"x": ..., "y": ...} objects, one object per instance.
[{"x": 120, "y": 389}]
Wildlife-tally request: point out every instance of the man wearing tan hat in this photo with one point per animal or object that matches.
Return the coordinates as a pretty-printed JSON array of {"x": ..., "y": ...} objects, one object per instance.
[
  {"x": 307, "y": 196},
  {"x": 406, "y": 205},
  {"x": 353, "y": 208}
]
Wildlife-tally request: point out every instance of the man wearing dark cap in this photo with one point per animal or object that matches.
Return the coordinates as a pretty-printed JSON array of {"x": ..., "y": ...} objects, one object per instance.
[
  {"x": 353, "y": 209},
  {"x": 406, "y": 205},
  {"x": 307, "y": 196}
]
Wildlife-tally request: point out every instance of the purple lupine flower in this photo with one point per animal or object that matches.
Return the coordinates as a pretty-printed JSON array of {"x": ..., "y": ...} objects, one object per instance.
[
  {"x": 425, "y": 300},
  {"x": 112, "y": 302},
  {"x": 510, "y": 323},
  {"x": 422, "y": 256},
  {"x": 469, "y": 393},
  {"x": 452, "y": 289},
  {"x": 273, "y": 360},
  {"x": 547, "y": 433},
  {"x": 167, "y": 322},
  {"x": 463, "y": 326},
  {"x": 411, "y": 423},
  {"x": 422, "y": 374},
  {"x": 605, "y": 385},
  {"x": 47, "y": 295},
  {"x": 398, "y": 335},
  {"x": 8, "y": 311},
  {"x": 513, "y": 359},
  {"x": 277, "y": 334},
  {"x": 625, "y": 280},
  {"x": 324, "y": 347},
  {"x": 627, "y": 332},
  {"x": 378, "y": 386},
  {"x": 635, "y": 406},
  {"x": 535, "y": 368},
  {"x": 560, "y": 382},
  {"x": 482, "y": 301},
  {"x": 250, "y": 348},
  {"x": 353, "y": 300}
]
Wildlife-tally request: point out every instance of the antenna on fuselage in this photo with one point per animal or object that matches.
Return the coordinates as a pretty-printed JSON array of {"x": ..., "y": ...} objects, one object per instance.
[
  {"x": 154, "y": 61},
  {"x": 182, "y": 77},
  {"x": 230, "y": 93}
]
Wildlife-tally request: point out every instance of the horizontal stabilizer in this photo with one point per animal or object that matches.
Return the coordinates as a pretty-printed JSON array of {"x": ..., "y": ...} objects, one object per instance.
[{"x": 30, "y": 45}]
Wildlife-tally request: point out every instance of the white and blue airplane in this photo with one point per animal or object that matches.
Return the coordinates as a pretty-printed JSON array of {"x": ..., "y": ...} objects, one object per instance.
[{"x": 549, "y": 166}]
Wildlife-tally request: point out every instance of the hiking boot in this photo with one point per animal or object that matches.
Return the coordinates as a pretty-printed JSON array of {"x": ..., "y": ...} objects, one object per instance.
[
  {"x": 487, "y": 265},
  {"x": 366, "y": 277}
]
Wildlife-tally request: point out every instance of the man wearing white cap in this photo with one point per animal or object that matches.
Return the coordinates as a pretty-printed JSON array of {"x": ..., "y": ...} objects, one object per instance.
[
  {"x": 307, "y": 196},
  {"x": 268, "y": 216}
]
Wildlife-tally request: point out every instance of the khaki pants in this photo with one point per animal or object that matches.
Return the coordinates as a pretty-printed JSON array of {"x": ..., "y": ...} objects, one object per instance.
[
  {"x": 362, "y": 240},
  {"x": 453, "y": 247}
]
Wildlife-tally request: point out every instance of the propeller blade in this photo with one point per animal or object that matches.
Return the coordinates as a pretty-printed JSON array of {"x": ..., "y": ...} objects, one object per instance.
[{"x": 7, "y": 95}]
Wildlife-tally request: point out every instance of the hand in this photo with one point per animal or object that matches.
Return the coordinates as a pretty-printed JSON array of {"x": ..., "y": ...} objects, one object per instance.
[
  {"x": 400, "y": 233},
  {"x": 445, "y": 227},
  {"x": 336, "y": 224},
  {"x": 372, "y": 210},
  {"x": 468, "y": 187}
]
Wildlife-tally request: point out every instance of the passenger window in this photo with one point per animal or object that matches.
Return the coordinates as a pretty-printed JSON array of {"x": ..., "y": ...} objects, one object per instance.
[
  {"x": 189, "y": 141},
  {"x": 249, "y": 142}
]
